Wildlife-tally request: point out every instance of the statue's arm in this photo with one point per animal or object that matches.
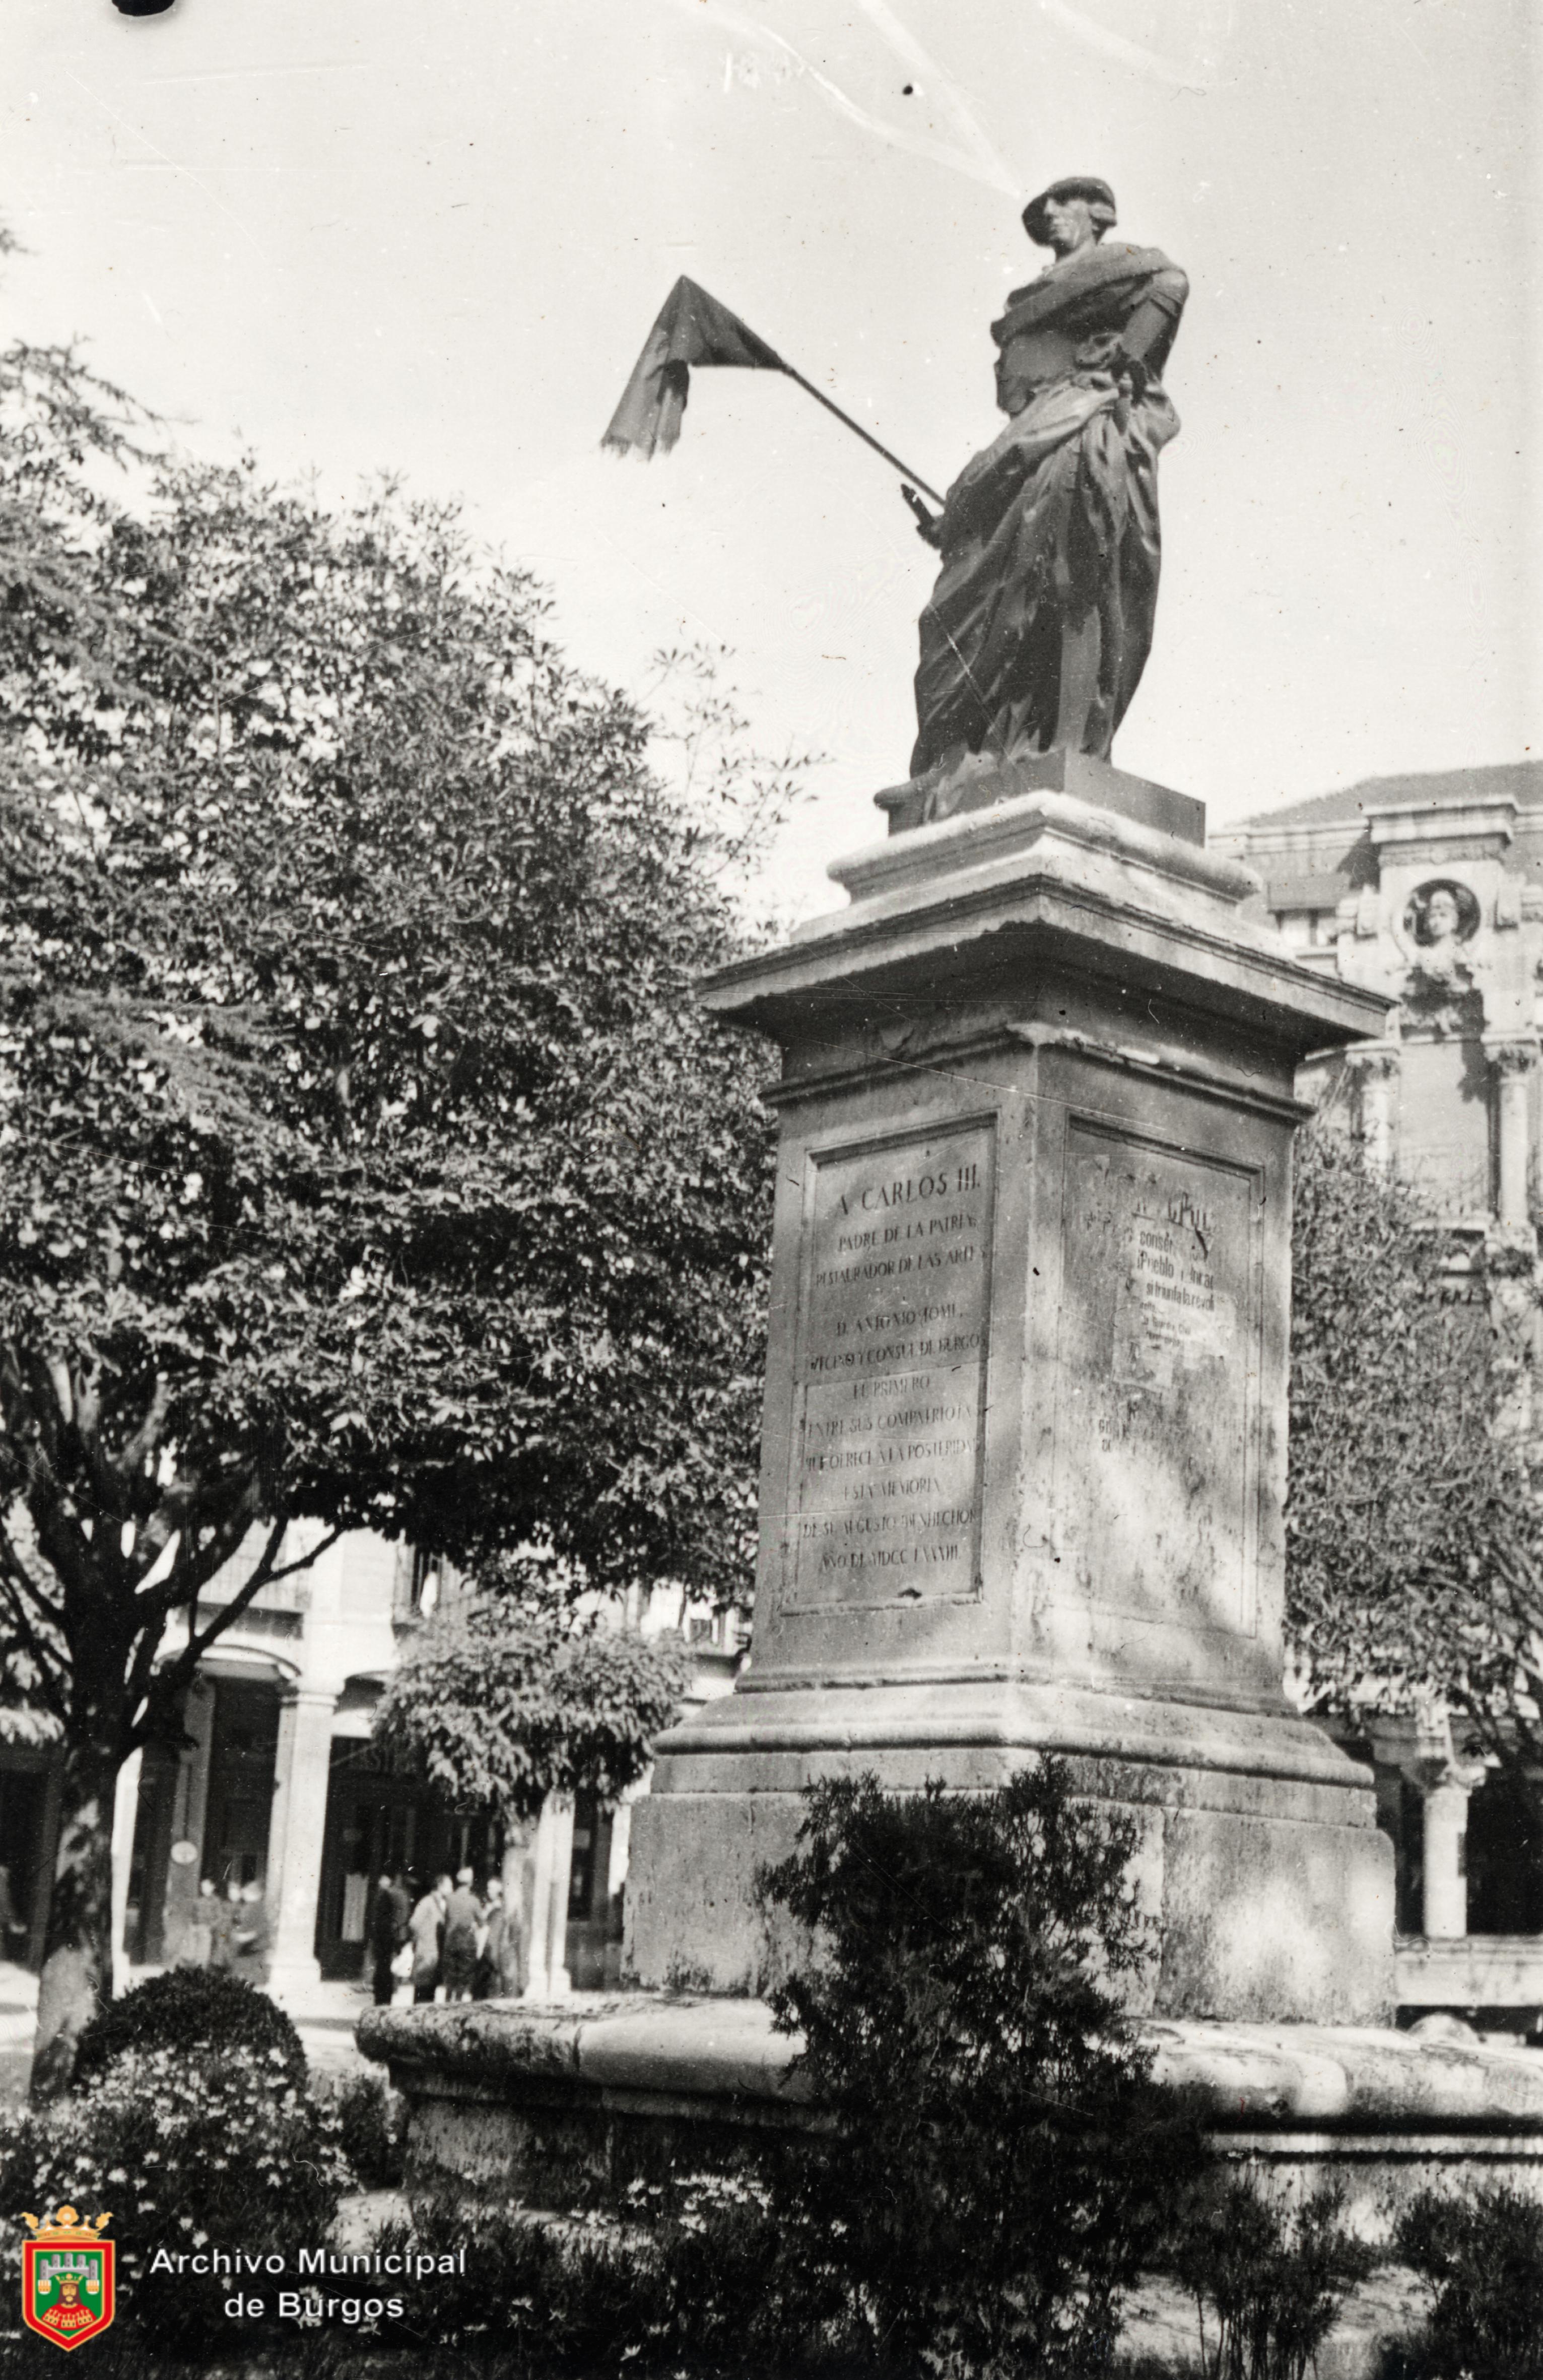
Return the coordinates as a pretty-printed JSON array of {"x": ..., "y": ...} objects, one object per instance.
[{"x": 1153, "y": 324}]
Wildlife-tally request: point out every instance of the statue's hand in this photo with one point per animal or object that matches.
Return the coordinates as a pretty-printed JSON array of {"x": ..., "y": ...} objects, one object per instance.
[
  {"x": 929, "y": 526},
  {"x": 1131, "y": 370}
]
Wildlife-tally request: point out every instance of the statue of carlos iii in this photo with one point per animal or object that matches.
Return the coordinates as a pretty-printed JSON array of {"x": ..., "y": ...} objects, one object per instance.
[{"x": 1041, "y": 619}]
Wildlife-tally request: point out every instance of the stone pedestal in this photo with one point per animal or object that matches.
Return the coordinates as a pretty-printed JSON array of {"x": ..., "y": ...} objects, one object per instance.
[{"x": 1025, "y": 1434}]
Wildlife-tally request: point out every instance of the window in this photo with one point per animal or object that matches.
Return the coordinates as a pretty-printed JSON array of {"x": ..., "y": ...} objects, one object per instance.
[
  {"x": 1307, "y": 930},
  {"x": 420, "y": 1583}
]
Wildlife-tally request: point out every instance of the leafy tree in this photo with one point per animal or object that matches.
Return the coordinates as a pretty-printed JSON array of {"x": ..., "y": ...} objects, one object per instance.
[
  {"x": 508, "y": 1696},
  {"x": 1001, "y": 2164},
  {"x": 1415, "y": 1550},
  {"x": 1393, "y": 1454},
  {"x": 365, "y": 1159}
]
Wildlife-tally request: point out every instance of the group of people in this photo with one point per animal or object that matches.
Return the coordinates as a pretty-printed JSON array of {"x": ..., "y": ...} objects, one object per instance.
[
  {"x": 447, "y": 1940},
  {"x": 229, "y": 1929}
]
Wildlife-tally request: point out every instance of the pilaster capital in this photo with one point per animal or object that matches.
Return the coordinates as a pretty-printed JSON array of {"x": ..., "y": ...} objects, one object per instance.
[
  {"x": 1374, "y": 1062},
  {"x": 1451, "y": 1772},
  {"x": 1512, "y": 1054}
]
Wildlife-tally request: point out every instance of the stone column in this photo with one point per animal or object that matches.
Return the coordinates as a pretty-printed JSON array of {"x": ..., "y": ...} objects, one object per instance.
[
  {"x": 1449, "y": 1785},
  {"x": 1375, "y": 1071},
  {"x": 549, "y": 1978},
  {"x": 1512, "y": 1063},
  {"x": 1446, "y": 1861},
  {"x": 126, "y": 1810},
  {"x": 301, "y": 1770}
]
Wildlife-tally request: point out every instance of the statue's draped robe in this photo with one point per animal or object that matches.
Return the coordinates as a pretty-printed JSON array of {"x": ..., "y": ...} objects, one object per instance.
[{"x": 1041, "y": 619}]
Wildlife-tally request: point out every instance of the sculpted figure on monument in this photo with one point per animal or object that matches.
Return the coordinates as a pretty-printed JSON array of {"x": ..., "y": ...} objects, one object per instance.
[
  {"x": 1445, "y": 989},
  {"x": 1041, "y": 620}
]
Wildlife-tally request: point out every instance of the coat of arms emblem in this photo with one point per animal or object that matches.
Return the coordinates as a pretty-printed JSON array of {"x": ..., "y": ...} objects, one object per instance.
[{"x": 66, "y": 2277}]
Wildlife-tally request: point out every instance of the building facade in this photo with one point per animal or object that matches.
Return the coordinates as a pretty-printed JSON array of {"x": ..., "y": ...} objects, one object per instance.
[
  {"x": 1429, "y": 889},
  {"x": 278, "y": 1782}
]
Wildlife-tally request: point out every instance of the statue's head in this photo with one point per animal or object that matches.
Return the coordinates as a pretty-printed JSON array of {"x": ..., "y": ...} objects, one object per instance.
[
  {"x": 1441, "y": 913},
  {"x": 1070, "y": 212},
  {"x": 1441, "y": 920},
  {"x": 69, "y": 2289}
]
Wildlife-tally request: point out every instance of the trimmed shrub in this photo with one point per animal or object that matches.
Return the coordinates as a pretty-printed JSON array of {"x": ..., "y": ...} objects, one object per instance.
[
  {"x": 189, "y": 2009},
  {"x": 1002, "y": 2165},
  {"x": 1483, "y": 2255},
  {"x": 1274, "y": 2278},
  {"x": 186, "y": 2154}
]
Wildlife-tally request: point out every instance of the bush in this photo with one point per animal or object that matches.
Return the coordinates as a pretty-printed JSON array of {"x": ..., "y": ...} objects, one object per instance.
[
  {"x": 1002, "y": 2165},
  {"x": 698, "y": 2281},
  {"x": 1274, "y": 2278},
  {"x": 371, "y": 2128},
  {"x": 185, "y": 2154},
  {"x": 1485, "y": 2256},
  {"x": 188, "y": 2009}
]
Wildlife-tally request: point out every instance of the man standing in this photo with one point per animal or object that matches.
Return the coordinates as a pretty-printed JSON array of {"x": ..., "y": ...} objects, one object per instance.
[
  {"x": 249, "y": 1934},
  {"x": 462, "y": 1917},
  {"x": 388, "y": 1931},
  {"x": 221, "y": 1925},
  {"x": 501, "y": 1966},
  {"x": 426, "y": 1926},
  {"x": 202, "y": 1919},
  {"x": 1041, "y": 619}
]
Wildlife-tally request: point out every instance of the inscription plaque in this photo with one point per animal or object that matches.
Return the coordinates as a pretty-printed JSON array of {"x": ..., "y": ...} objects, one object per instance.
[
  {"x": 1158, "y": 1383},
  {"x": 884, "y": 1495}
]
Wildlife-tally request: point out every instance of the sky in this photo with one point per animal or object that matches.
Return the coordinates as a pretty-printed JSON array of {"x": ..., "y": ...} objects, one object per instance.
[{"x": 365, "y": 234}]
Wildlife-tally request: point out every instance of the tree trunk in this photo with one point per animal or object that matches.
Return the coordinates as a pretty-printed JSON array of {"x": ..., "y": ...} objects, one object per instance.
[{"x": 77, "y": 1947}]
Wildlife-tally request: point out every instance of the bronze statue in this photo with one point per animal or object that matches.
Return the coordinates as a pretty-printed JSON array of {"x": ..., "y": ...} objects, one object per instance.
[{"x": 1041, "y": 620}]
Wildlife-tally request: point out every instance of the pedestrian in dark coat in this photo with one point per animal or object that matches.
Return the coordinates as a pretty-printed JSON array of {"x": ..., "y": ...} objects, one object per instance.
[{"x": 388, "y": 1930}]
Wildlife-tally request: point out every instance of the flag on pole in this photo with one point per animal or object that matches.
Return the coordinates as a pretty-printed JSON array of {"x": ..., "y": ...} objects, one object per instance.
[{"x": 693, "y": 328}]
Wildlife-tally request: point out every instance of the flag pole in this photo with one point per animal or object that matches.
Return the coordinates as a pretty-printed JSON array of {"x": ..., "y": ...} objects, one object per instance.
[{"x": 830, "y": 407}]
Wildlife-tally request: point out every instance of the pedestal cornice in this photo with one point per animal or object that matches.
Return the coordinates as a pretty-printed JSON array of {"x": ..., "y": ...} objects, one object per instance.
[{"x": 1036, "y": 883}]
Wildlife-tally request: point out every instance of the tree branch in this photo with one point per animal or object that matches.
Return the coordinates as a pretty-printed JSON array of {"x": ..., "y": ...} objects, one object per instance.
[
  {"x": 147, "y": 1437},
  {"x": 163, "y": 1688},
  {"x": 231, "y": 1508}
]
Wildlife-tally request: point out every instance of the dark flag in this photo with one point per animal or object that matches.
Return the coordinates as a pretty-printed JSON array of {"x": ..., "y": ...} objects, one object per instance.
[{"x": 692, "y": 329}]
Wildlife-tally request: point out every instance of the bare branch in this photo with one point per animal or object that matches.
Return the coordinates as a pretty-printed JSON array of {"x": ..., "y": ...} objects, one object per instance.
[
  {"x": 163, "y": 1688},
  {"x": 196, "y": 1564}
]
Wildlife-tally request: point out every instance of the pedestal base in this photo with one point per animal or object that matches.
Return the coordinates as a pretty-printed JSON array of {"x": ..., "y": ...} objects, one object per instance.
[
  {"x": 544, "y": 2107},
  {"x": 1259, "y": 1855}
]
